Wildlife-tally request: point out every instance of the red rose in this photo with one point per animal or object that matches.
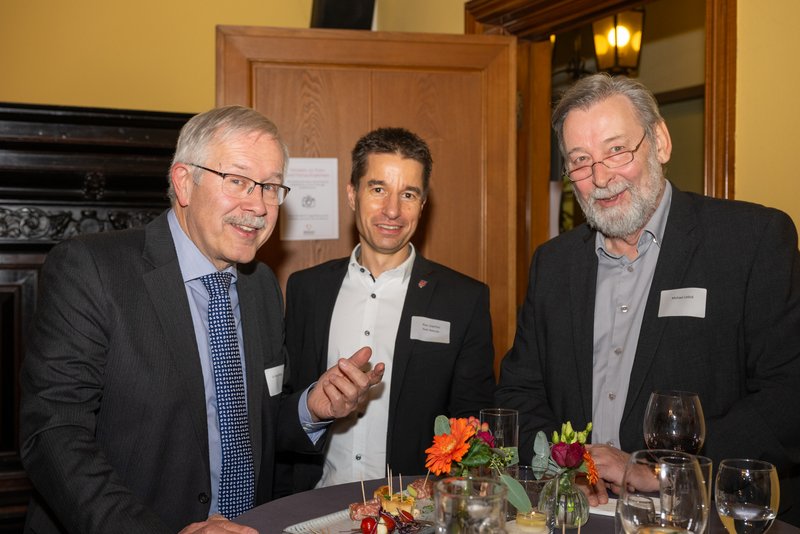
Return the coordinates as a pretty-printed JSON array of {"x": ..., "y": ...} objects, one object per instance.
[
  {"x": 568, "y": 455},
  {"x": 487, "y": 437}
]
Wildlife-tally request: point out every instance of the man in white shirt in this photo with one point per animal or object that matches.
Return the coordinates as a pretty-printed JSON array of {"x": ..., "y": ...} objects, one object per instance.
[{"x": 429, "y": 324}]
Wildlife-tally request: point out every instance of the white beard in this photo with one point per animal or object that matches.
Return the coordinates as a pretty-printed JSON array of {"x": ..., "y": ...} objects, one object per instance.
[{"x": 625, "y": 220}]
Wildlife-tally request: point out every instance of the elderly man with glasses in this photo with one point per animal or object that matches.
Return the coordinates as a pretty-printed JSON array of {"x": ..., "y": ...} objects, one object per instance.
[
  {"x": 152, "y": 383},
  {"x": 660, "y": 289}
]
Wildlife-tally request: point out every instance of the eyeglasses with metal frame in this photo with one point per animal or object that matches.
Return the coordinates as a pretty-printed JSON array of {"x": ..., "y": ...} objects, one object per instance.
[
  {"x": 613, "y": 161},
  {"x": 238, "y": 186}
]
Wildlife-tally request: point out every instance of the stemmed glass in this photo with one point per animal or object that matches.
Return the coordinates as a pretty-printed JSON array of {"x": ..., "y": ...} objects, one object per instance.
[
  {"x": 662, "y": 492},
  {"x": 674, "y": 420},
  {"x": 747, "y": 495}
]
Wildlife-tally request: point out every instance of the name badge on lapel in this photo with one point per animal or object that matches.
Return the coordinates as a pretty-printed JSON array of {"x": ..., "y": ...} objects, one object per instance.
[
  {"x": 274, "y": 376},
  {"x": 433, "y": 330},
  {"x": 684, "y": 302}
]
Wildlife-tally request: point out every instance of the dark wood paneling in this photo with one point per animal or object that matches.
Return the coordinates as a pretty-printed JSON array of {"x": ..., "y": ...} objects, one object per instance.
[{"x": 63, "y": 171}]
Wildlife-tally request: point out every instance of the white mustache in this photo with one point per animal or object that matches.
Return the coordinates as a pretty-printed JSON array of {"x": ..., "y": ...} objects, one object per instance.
[
  {"x": 246, "y": 220},
  {"x": 613, "y": 190}
]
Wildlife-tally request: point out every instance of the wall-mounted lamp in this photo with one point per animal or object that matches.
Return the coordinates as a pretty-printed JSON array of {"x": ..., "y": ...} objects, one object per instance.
[{"x": 618, "y": 41}]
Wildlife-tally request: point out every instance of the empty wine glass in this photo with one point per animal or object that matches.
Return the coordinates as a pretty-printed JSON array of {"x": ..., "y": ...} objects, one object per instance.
[
  {"x": 747, "y": 495},
  {"x": 674, "y": 420},
  {"x": 662, "y": 492}
]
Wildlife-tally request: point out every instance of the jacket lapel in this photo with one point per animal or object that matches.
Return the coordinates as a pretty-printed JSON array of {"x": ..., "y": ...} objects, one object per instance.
[
  {"x": 421, "y": 287},
  {"x": 164, "y": 285},
  {"x": 678, "y": 246},
  {"x": 254, "y": 315},
  {"x": 327, "y": 291},
  {"x": 582, "y": 288}
]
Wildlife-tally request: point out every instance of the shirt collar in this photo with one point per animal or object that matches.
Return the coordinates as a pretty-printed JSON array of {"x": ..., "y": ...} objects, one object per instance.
[
  {"x": 653, "y": 230},
  {"x": 192, "y": 262},
  {"x": 402, "y": 271}
]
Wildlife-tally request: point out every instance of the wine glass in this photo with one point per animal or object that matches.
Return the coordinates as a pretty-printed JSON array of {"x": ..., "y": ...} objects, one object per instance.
[
  {"x": 662, "y": 492},
  {"x": 747, "y": 495},
  {"x": 674, "y": 420}
]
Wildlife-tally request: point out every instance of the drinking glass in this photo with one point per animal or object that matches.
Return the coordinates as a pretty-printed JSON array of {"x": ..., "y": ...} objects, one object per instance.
[
  {"x": 669, "y": 481},
  {"x": 470, "y": 505},
  {"x": 503, "y": 424},
  {"x": 541, "y": 518},
  {"x": 747, "y": 495},
  {"x": 674, "y": 420}
]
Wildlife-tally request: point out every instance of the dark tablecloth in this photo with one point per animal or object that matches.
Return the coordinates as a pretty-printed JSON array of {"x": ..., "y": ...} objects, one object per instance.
[{"x": 273, "y": 517}]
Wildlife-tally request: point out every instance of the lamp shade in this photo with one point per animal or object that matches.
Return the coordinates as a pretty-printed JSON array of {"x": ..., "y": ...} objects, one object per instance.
[{"x": 618, "y": 41}]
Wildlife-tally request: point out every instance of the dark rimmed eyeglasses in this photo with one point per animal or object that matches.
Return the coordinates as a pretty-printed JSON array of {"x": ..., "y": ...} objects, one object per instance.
[
  {"x": 238, "y": 186},
  {"x": 577, "y": 172}
]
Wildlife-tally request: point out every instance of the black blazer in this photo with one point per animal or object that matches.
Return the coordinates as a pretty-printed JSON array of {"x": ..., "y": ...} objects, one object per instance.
[
  {"x": 743, "y": 358},
  {"x": 113, "y": 415},
  {"x": 428, "y": 379}
]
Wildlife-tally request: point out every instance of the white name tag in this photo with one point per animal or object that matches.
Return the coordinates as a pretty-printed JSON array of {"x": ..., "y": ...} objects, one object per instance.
[
  {"x": 432, "y": 330},
  {"x": 684, "y": 302},
  {"x": 274, "y": 376}
]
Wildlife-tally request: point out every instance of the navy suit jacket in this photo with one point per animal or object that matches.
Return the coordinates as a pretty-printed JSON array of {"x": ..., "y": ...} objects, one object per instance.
[
  {"x": 743, "y": 358},
  {"x": 428, "y": 379},
  {"x": 113, "y": 415}
]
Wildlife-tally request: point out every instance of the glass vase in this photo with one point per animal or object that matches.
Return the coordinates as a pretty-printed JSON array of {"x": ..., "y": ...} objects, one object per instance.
[
  {"x": 469, "y": 505},
  {"x": 571, "y": 505}
]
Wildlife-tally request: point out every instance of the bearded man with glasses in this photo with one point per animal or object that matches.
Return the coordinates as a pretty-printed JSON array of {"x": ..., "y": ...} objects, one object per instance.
[{"x": 659, "y": 290}]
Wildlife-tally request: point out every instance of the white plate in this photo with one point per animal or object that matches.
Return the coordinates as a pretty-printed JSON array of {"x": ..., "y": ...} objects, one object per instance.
[
  {"x": 334, "y": 523},
  {"x": 336, "y": 519}
]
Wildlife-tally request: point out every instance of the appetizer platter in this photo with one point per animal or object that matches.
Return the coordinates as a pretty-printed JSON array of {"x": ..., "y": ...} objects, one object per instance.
[{"x": 408, "y": 511}]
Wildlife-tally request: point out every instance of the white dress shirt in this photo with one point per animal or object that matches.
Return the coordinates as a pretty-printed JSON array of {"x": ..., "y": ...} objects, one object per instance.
[{"x": 367, "y": 313}]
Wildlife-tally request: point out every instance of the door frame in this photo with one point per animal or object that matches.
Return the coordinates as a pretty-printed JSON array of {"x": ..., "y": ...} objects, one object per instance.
[{"x": 532, "y": 22}]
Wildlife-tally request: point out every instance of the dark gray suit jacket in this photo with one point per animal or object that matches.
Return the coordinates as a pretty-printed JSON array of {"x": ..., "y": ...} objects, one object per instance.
[
  {"x": 113, "y": 416},
  {"x": 428, "y": 379},
  {"x": 743, "y": 358}
]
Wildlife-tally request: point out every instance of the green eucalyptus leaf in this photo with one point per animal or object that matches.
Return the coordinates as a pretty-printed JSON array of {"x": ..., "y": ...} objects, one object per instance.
[
  {"x": 441, "y": 425},
  {"x": 541, "y": 448},
  {"x": 516, "y": 494}
]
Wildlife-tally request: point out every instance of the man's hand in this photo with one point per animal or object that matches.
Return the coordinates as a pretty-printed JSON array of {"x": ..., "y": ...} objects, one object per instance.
[
  {"x": 610, "y": 463},
  {"x": 597, "y": 494},
  {"x": 342, "y": 387},
  {"x": 217, "y": 524}
]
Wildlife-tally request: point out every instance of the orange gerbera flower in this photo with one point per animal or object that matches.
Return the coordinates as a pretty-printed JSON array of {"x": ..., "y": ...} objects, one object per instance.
[
  {"x": 449, "y": 448},
  {"x": 591, "y": 469}
]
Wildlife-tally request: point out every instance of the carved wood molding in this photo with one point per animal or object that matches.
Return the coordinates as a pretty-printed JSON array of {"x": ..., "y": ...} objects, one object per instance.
[{"x": 48, "y": 225}]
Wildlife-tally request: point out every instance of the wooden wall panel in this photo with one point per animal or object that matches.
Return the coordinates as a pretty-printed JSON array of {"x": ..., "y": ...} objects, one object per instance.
[{"x": 326, "y": 88}]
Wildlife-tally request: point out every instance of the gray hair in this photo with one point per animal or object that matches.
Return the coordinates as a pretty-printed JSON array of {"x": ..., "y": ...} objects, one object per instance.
[
  {"x": 218, "y": 125},
  {"x": 596, "y": 88}
]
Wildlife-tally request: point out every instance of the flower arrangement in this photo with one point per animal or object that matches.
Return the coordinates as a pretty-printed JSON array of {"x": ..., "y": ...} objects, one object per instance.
[
  {"x": 567, "y": 453},
  {"x": 461, "y": 445},
  {"x": 567, "y": 456}
]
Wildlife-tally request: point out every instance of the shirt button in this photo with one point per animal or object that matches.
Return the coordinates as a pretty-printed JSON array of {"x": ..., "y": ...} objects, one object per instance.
[
  {"x": 361, "y": 269},
  {"x": 618, "y": 351},
  {"x": 623, "y": 308},
  {"x": 611, "y": 443},
  {"x": 612, "y": 396},
  {"x": 373, "y": 295},
  {"x": 358, "y": 457},
  {"x": 366, "y": 332},
  {"x": 630, "y": 268}
]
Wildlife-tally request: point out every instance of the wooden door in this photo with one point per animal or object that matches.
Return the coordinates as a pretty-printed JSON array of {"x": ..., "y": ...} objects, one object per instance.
[{"x": 326, "y": 88}]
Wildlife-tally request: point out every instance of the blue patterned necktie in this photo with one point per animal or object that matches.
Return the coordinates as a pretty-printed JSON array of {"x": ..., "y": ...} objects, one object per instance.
[{"x": 237, "y": 479}]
